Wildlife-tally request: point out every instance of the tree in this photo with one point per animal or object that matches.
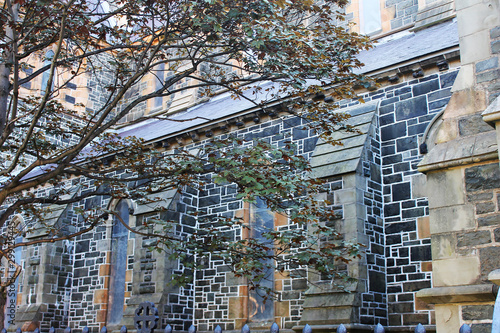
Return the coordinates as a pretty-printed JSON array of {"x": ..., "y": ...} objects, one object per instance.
[{"x": 233, "y": 45}]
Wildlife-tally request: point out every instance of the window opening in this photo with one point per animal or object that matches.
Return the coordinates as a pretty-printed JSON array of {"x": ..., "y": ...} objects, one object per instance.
[
  {"x": 119, "y": 240},
  {"x": 261, "y": 220}
]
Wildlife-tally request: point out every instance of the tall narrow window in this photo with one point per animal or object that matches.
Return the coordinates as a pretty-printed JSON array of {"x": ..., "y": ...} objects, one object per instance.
[
  {"x": 370, "y": 17},
  {"x": 45, "y": 76},
  {"x": 119, "y": 240},
  {"x": 159, "y": 81},
  {"x": 259, "y": 309}
]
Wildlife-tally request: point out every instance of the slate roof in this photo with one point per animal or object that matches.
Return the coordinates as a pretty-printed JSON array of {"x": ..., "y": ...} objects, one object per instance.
[
  {"x": 328, "y": 160},
  {"x": 412, "y": 46}
]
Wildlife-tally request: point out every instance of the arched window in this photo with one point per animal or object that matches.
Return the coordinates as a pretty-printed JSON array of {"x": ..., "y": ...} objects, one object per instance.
[
  {"x": 45, "y": 76},
  {"x": 261, "y": 219},
  {"x": 119, "y": 240}
]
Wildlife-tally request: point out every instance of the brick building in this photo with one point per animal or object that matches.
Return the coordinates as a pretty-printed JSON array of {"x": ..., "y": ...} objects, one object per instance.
[{"x": 419, "y": 185}]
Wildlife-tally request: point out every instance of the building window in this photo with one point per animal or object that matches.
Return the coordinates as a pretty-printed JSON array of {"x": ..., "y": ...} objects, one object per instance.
[
  {"x": 370, "y": 17},
  {"x": 45, "y": 76},
  {"x": 159, "y": 81},
  {"x": 119, "y": 240},
  {"x": 261, "y": 219}
]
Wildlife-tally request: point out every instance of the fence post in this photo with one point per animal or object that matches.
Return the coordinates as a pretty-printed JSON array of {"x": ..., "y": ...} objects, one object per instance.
[
  {"x": 465, "y": 329},
  {"x": 379, "y": 329},
  {"x": 420, "y": 328},
  {"x": 341, "y": 329}
]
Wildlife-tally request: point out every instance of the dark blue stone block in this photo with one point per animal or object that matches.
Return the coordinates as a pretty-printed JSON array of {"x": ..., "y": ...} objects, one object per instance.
[
  {"x": 387, "y": 119},
  {"x": 417, "y": 129},
  {"x": 426, "y": 87},
  {"x": 377, "y": 281},
  {"x": 393, "y": 178},
  {"x": 448, "y": 79},
  {"x": 389, "y": 101},
  {"x": 392, "y": 159},
  {"x": 391, "y": 210},
  {"x": 407, "y": 143},
  {"x": 393, "y": 131},
  {"x": 411, "y": 213},
  {"x": 421, "y": 253},
  {"x": 310, "y": 144},
  {"x": 386, "y": 109},
  {"x": 300, "y": 133},
  {"x": 388, "y": 150},
  {"x": 411, "y": 108},
  {"x": 401, "y": 191},
  {"x": 402, "y": 91},
  {"x": 438, "y": 104},
  {"x": 292, "y": 122}
]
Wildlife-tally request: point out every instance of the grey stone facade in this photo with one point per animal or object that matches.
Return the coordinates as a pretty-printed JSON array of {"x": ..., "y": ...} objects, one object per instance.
[
  {"x": 381, "y": 192},
  {"x": 418, "y": 186}
]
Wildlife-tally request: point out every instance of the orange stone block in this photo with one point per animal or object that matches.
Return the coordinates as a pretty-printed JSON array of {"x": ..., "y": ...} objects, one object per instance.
[
  {"x": 421, "y": 305},
  {"x": 106, "y": 282},
  {"x": 243, "y": 291},
  {"x": 280, "y": 220},
  {"x": 30, "y": 326},
  {"x": 101, "y": 296},
  {"x": 104, "y": 270},
  {"x": 101, "y": 316},
  {"x": 128, "y": 276},
  {"x": 423, "y": 227},
  {"x": 278, "y": 285},
  {"x": 282, "y": 309},
  {"x": 238, "y": 307},
  {"x": 426, "y": 266}
]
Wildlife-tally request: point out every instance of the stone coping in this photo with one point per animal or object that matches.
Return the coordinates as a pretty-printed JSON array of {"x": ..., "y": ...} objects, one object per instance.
[
  {"x": 458, "y": 294},
  {"x": 492, "y": 112},
  {"x": 494, "y": 277},
  {"x": 462, "y": 151}
]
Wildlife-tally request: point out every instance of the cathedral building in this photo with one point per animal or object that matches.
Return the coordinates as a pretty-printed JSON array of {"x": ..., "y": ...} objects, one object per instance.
[{"x": 418, "y": 184}]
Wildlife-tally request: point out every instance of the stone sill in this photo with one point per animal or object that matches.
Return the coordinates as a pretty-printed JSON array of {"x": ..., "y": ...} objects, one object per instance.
[
  {"x": 461, "y": 151},
  {"x": 458, "y": 294}
]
